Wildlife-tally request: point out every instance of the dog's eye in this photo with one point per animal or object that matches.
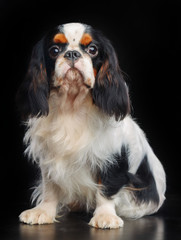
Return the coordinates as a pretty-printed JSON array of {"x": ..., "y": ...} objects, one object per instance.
[
  {"x": 54, "y": 51},
  {"x": 92, "y": 50}
]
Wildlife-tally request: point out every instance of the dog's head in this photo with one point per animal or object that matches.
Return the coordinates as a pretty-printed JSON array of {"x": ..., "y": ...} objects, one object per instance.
[{"x": 69, "y": 52}]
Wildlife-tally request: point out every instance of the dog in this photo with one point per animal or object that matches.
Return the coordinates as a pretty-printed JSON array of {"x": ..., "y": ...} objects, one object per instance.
[{"x": 93, "y": 156}]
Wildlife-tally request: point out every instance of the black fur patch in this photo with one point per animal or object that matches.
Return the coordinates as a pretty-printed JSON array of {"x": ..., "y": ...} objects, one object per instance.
[
  {"x": 141, "y": 184},
  {"x": 116, "y": 175},
  {"x": 144, "y": 179}
]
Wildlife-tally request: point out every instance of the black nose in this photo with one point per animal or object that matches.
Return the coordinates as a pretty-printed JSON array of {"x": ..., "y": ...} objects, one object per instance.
[{"x": 72, "y": 55}]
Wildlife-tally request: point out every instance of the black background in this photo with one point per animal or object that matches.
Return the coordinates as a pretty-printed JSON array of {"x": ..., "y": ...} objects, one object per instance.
[{"x": 145, "y": 35}]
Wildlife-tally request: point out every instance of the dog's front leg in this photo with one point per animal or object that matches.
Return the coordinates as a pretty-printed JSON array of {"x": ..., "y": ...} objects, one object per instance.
[
  {"x": 45, "y": 211},
  {"x": 105, "y": 214}
]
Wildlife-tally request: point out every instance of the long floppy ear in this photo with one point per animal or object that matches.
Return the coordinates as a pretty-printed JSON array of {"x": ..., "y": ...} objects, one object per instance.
[
  {"x": 110, "y": 92},
  {"x": 32, "y": 96}
]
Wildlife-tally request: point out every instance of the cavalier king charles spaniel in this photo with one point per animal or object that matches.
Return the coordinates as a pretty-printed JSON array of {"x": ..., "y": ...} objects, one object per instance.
[{"x": 92, "y": 154}]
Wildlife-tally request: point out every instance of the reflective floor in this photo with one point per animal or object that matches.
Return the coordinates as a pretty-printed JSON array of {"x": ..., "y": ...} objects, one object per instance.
[{"x": 164, "y": 225}]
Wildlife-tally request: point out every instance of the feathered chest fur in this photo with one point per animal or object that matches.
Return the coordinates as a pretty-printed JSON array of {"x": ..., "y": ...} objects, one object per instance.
[
  {"x": 63, "y": 133},
  {"x": 71, "y": 146}
]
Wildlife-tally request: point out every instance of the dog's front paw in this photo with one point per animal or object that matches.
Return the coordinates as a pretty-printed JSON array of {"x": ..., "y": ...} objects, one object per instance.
[
  {"x": 106, "y": 221},
  {"x": 35, "y": 216}
]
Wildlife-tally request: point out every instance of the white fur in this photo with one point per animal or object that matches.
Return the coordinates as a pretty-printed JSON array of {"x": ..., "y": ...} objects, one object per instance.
[
  {"x": 105, "y": 215},
  {"x": 73, "y": 33}
]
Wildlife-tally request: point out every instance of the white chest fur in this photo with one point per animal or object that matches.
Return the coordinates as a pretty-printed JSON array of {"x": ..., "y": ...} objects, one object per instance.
[{"x": 70, "y": 147}]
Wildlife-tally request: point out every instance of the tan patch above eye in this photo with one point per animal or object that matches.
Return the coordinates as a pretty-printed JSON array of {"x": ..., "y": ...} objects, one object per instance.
[
  {"x": 60, "y": 38},
  {"x": 86, "y": 39}
]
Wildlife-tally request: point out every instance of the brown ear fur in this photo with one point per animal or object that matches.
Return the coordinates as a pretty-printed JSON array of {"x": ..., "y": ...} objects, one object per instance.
[
  {"x": 32, "y": 96},
  {"x": 110, "y": 92}
]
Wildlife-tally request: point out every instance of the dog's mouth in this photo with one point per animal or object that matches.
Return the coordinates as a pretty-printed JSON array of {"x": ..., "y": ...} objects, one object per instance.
[
  {"x": 72, "y": 89},
  {"x": 73, "y": 75},
  {"x": 72, "y": 80}
]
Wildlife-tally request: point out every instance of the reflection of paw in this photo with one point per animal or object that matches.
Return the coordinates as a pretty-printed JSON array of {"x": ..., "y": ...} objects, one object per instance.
[
  {"x": 106, "y": 221},
  {"x": 35, "y": 216}
]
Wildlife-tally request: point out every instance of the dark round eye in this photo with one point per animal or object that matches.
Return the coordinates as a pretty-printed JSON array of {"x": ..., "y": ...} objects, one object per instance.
[
  {"x": 92, "y": 50},
  {"x": 54, "y": 51}
]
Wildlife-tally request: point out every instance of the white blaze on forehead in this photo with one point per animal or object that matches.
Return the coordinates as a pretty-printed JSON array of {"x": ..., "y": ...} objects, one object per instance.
[{"x": 73, "y": 32}]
